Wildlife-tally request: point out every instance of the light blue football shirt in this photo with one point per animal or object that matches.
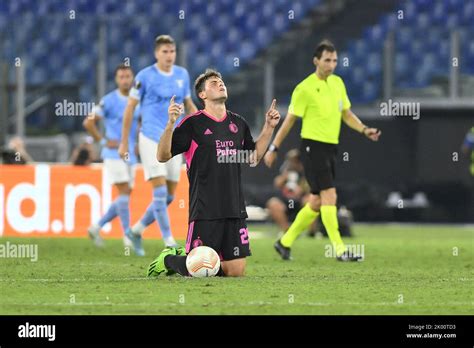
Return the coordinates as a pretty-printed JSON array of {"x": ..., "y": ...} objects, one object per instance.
[
  {"x": 154, "y": 89},
  {"x": 111, "y": 109}
]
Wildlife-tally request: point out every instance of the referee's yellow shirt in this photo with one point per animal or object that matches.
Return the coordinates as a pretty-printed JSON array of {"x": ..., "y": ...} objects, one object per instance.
[{"x": 320, "y": 104}]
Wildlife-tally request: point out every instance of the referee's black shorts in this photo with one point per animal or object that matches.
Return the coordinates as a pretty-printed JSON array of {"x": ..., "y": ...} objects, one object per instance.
[{"x": 319, "y": 161}]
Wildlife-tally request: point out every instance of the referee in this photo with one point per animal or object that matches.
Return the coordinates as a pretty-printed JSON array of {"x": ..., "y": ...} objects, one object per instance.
[{"x": 321, "y": 101}]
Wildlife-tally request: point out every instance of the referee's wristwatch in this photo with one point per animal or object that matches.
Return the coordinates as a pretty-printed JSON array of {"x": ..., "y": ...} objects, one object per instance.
[{"x": 273, "y": 148}]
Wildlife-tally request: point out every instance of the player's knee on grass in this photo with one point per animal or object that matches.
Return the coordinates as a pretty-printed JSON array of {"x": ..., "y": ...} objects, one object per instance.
[
  {"x": 315, "y": 202},
  {"x": 329, "y": 196},
  {"x": 234, "y": 268}
]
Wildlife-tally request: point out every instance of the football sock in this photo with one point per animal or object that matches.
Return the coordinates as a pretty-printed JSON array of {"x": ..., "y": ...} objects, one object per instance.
[
  {"x": 138, "y": 228},
  {"x": 177, "y": 263},
  {"x": 220, "y": 273},
  {"x": 147, "y": 218},
  {"x": 329, "y": 218},
  {"x": 303, "y": 220},
  {"x": 160, "y": 210},
  {"x": 123, "y": 210},
  {"x": 109, "y": 215}
]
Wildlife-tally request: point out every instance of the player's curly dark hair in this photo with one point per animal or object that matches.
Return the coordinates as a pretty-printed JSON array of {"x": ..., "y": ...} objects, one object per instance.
[{"x": 201, "y": 81}]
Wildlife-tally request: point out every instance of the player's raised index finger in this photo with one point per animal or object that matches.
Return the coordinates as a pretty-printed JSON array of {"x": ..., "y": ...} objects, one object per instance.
[
  {"x": 172, "y": 100},
  {"x": 273, "y": 104}
]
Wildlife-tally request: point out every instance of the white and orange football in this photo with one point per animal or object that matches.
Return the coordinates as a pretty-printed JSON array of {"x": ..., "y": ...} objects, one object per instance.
[{"x": 203, "y": 262}]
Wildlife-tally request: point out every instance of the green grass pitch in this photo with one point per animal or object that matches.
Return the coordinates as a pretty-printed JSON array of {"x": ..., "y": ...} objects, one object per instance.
[{"x": 407, "y": 270}]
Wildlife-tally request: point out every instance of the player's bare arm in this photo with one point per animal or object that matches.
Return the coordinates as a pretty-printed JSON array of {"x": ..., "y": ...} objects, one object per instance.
[
  {"x": 164, "y": 146},
  {"x": 356, "y": 124},
  {"x": 90, "y": 124},
  {"x": 285, "y": 128},
  {"x": 127, "y": 122},
  {"x": 272, "y": 117}
]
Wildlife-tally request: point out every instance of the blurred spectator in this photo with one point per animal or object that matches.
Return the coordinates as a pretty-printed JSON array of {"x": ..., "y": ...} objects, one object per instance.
[
  {"x": 293, "y": 191},
  {"x": 16, "y": 152},
  {"x": 84, "y": 154},
  {"x": 468, "y": 148}
]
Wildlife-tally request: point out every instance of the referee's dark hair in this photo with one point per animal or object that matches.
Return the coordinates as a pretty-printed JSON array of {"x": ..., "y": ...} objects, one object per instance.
[
  {"x": 201, "y": 81},
  {"x": 324, "y": 45}
]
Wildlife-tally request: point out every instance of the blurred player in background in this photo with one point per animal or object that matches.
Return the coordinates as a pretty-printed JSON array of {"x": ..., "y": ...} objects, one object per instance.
[
  {"x": 321, "y": 101},
  {"x": 120, "y": 172},
  {"x": 468, "y": 148},
  {"x": 154, "y": 87},
  {"x": 217, "y": 214},
  {"x": 293, "y": 191}
]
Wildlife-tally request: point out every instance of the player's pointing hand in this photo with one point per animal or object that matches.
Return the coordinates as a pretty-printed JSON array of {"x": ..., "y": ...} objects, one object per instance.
[
  {"x": 174, "y": 110},
  {"x": 272, "y": 117},
  {"x": 273, "y": 104}
]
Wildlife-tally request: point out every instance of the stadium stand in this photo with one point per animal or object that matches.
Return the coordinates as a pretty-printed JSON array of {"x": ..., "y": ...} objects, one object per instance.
[
  {"x": 412, "y": 69},
  {"x": 49, "y": 37}
]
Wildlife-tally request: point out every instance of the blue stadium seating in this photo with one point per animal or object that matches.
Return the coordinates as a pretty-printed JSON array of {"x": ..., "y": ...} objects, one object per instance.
[
  {"x": 422, "y": 47},
  {"x": 222, "y": 33},
  {"x": 61, "y": 49}
]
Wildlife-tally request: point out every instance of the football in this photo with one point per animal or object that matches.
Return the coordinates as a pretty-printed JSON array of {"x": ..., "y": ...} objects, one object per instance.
[{"x": 203, "y": 262}]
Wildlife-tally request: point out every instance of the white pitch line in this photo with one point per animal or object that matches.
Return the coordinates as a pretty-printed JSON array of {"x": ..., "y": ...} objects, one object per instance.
[
  {"x": 249, "y": 304},
  {"x": 104, "y": 280},
  {"x": 414, "y": 224},
  {"x": 74, "y": 280}
]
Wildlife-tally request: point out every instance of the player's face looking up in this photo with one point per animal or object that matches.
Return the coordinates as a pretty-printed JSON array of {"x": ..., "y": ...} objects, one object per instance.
[
  {"x": 165, "y": 54},
  {"x": 326, "y": 64},
  {"x": 214, "y": 90},
  {"x": 124, "y": 79}
]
